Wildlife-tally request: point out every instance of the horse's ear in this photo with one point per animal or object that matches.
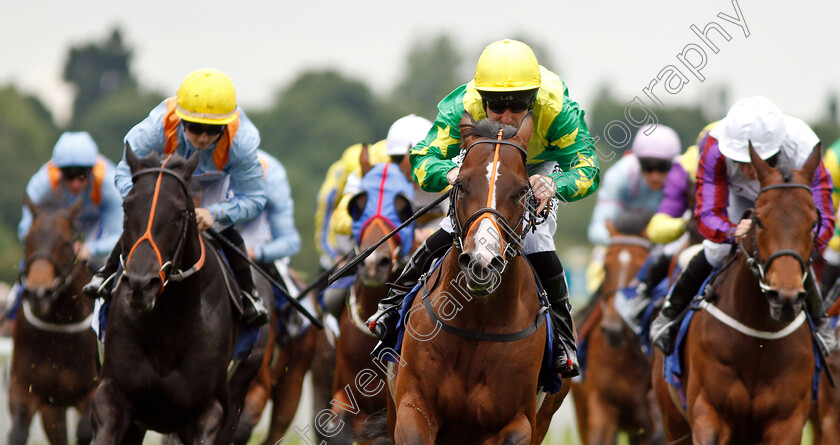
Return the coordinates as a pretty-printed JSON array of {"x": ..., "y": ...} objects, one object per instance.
[
  {"x": 526, "y": 128},
  {"x": 131, "y": 158},
  {"x": 611, "y": 228},
  {"x": 190, "y": 166},
  {"x": 467, "y": 119},
  {"x": 29, "y": 204},
  {"x": 364, "y": 159},
  {"x": 762, "y": 169},
  {"x": 405, "y": 166},
  {"x": 467, "y": 123},
  {"x": 357, "y": 205},
  {"x": 403, "y": 208},
  {"x": 813, "y": 162}
]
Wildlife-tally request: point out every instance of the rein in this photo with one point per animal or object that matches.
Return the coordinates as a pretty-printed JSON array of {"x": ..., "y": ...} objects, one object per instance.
[{"x": 166, "y": 271}]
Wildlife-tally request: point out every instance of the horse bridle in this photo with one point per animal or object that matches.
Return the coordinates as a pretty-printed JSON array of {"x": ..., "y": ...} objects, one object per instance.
[
  {"x": 758, "y": 267},
  {"x": 64, "y": 273},
  {"x": 510, "y": 248},
  {"x": 166, "y": 271}
]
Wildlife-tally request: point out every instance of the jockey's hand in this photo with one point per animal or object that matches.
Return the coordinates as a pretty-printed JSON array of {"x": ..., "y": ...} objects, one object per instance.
[
  {"x": 743, "y": 228},
  {"x": 452, "y": 175},
  {"x": 81, "y": 251},
  {"x": 204, "y": 218},
  {"x": 544, "y": 189},
  {"x": 251, "y": 254}
]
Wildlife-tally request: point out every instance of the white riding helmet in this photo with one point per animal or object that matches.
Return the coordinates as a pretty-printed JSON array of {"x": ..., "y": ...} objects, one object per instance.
[
  {"x": 755, "y": 119},
  {"x": 75, "y": 149},
  {"x": 405, "y": 133},
  {"x": 662, "y": 143}
]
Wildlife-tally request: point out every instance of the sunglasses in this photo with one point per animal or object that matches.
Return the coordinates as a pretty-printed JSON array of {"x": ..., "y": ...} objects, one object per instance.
[
  {"x": 515, "y": 106},
  {"x": 71, "y": 173},
  {"x": 655, "y": 165},
  {"x": 198, "y": 129}
]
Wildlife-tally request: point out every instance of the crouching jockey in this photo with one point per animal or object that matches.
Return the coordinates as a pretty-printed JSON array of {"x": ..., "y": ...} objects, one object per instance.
[
  {"x": 509, "y": 83},
  {"x": 727, "y": 187},
  {"x": 204, "y": 118}
]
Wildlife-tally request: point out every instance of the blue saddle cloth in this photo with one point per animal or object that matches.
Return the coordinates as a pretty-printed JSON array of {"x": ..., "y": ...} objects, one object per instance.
[
  {"x": 673, "y": 370},
  {"x": 549, "y": 381}
]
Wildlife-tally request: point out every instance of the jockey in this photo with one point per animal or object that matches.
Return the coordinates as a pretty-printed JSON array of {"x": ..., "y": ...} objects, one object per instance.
[
  {"x": 727, "y": 187},
  {"x": 403, "y": 134},
  {"x": 668, "y": 228},
  {"x": 831, "y": 255},
  {"x": 272, "y": 235},
  {"x": 634, "y": 182},
  {"x": 508, "y": 84},
  {"x": 77, "y": 171},
  {"x": 330, "y": 245},
  {"x": 204, "y": 117}
]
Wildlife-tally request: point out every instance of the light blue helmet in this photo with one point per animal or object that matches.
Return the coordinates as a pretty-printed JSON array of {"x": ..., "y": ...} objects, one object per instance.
[{"x": 75, "y": 149}]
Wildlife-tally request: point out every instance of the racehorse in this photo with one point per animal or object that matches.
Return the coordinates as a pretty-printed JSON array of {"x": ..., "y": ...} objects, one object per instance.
[
  {"x": 749, "y": 380},
  {"x": 615, "y": 392},
  {"x": 54, "y": 359},
  {"x": 478, "y": 380},
  {"x": 171, "y": 333},
  {"x": 387, "y": 209}
]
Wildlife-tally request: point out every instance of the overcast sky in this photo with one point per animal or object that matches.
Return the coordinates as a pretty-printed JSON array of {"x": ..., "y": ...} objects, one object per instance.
[{"x": 791, "y": 54}]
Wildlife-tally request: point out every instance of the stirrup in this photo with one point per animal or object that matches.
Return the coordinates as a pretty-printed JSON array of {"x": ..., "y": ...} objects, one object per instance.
[{"x": 254, "y": 312}]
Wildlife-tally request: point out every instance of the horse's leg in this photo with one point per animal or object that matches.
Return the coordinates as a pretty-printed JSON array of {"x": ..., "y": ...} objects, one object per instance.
[
  {"x": 675, "y": 426},
  {"x": 206, "y": 426},
  {"x": 285, "y": 395},
  {"x": 84, "y": 429},
  {"x": 22, "y": 407},
  {"x": 415, "y": 424},
  {"x": 54, "y": 419},
  {"x": 602, "y": 420},
  {"x": 706, "y": 425},
  {"x": 112, "y": 423},
  {"x": 517, "y": 432},
  {"x": 784, "y": 431}
]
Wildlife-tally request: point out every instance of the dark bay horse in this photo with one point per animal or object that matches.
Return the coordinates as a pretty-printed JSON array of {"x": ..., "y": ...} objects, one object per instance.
[
  {"x": 171, "y": 332},
  {"x": 450, "y": 388},
  {"x": 615, "y": 393},
  {"x": 750, "y": 381},
  {"x": 54, "y": 359}
]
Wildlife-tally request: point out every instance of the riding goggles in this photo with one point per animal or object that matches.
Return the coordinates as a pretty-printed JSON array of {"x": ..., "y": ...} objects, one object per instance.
[
  {"x": 198, "y": 129},
  {"x": 655, "y": 165},
  {"x": 75, "y": 172},
  {"x": 516, "y": 102}
]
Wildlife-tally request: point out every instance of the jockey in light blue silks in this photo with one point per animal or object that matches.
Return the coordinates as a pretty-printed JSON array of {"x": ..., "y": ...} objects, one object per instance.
[{"x": 76, "y": 172}]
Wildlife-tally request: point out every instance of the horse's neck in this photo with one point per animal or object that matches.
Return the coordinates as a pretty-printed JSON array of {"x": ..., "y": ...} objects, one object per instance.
[
  {"x": 502, "y": 305},
  {"x": 367, "y": 298},
  {"x": 740, "y": 296}
]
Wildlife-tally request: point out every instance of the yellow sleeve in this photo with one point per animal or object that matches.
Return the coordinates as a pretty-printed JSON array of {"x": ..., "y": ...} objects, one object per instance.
[
  {"x": 663, "y": 228},
  {"x": 833, "y": 166},
  {"x": 341, "y": 223}
]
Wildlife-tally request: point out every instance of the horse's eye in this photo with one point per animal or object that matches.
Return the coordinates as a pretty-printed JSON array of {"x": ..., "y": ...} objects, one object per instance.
[{"x": 758, "y": 223}]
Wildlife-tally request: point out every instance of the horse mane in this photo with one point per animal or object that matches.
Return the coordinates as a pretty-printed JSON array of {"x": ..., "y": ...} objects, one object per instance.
[
  {"x": 787, "y": 173},
  {"x": 633, "y": 221},
  {"x": 154, "y": 159},
  {"x": 487, "y": 128}
]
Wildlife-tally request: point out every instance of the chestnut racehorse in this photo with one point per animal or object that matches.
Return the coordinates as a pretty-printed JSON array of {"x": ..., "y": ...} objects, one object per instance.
[
  {"x": 615, "y": 393},
  {"x": 749, "y": 380},
  {"x": 470, "y": 374},
  {"x": 54, "y": 359}
]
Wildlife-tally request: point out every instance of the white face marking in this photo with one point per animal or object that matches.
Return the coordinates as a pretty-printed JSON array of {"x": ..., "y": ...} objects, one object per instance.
[
  {"x": 487, "y": 245},
  {"x": 491, "y": 180},
  {"x": 624, "y": 258}
]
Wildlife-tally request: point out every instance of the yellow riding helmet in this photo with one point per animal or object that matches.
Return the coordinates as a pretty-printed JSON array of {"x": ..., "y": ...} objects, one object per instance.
[
  {"x": 507, "y": 65},
  {"x": 207, "y": 97}
]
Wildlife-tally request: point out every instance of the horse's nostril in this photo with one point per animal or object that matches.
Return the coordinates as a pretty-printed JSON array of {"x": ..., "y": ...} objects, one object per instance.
[
  {"x": 801, "y": 296},
  {"x": 384, "y": 262},
  {"x": 497, "y": 264},
  {"x": 464, "y": 260}
]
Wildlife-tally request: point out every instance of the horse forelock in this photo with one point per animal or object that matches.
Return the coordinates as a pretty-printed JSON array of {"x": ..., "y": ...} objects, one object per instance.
[{"x": 486, "y": 128}]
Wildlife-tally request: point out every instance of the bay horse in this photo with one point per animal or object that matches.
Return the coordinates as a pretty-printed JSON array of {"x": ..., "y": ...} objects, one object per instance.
[
  {"x": 376, "y": 210},
  {"x": 171, "y": 332},
  {"x": 615, "y": 393},
  {"x": 54, "y": 358},
  {"x": 477, "y": 381},
  {"x": 749, "y": 381}
]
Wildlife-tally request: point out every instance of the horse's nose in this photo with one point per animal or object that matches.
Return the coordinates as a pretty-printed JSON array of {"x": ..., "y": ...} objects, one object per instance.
[
  {"x": 143, "y": 290},
  {"x": 785, "y": 304},
  {"x": 384, "y": 263},
  {"x": 478, "y": 268}
]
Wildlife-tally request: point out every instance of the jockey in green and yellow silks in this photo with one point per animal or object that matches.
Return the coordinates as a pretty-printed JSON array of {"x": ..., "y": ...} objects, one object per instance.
[{"x": 831, "y": 254}]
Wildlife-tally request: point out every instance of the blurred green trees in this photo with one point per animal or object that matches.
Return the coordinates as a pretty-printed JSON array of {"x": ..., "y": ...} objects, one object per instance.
[{"x": 307, "y": 126}]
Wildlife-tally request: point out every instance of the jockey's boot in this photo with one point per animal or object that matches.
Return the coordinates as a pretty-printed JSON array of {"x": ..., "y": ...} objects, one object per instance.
[
  {"x": 553, "y": 278},
  {"x": 652, "y": 273},
  {"x": 826, "y": 338},
  {"x": 254, "y": 312},
  {"x": 101, "y": 283},
  {"x": 664, "y": 329},
  {"x": 383, "y": 323}
]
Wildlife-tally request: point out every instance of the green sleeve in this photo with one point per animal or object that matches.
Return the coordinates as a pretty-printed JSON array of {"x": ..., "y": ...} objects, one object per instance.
[
  {"x": 571, "y": 146},
  {"x": 431, "y": 158}
]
